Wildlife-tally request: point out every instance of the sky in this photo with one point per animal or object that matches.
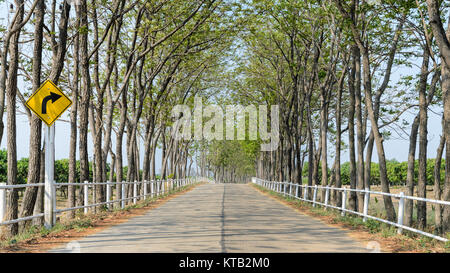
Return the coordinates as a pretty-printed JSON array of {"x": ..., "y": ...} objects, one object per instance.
[
  {"x": 395, "y": 148},
  {"x": 62, "y": 127}
]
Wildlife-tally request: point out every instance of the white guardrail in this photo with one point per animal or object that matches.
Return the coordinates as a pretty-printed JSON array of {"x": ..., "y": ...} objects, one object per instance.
[
  {"x": 151, "y": 189},
  {"x": 292, "y": 190}
]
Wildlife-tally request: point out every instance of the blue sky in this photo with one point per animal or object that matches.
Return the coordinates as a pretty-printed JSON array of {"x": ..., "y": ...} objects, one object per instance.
[{"x": 396, "y": 147}]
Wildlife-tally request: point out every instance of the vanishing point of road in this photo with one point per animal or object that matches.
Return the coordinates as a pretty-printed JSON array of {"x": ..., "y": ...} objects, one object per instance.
[{"x": 220, "y": 218}]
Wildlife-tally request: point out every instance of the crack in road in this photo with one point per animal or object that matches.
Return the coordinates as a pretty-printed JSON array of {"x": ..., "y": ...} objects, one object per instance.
[{"x": 222, "y": 239}]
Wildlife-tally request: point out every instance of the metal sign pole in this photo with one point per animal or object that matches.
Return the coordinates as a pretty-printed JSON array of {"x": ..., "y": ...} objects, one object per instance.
[
  {"x": 49, "y": 219},
  {"x": 49, "y": 103}
]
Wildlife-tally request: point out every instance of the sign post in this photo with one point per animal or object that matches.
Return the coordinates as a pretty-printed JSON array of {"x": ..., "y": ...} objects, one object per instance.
[
  {"x": 49, "y": 103},
  {"x": 49, "y": 189}
]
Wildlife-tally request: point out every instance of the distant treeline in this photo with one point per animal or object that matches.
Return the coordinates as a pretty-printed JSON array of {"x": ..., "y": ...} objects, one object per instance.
[
  {"x": 396, "y": 172},
  {"x": 61, "y": 170}
]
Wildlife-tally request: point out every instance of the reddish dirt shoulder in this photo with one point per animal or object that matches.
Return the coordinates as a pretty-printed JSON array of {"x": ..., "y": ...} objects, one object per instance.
[
  {"x": 41, "y": 244},
  {"x": 391, "y": 244}
]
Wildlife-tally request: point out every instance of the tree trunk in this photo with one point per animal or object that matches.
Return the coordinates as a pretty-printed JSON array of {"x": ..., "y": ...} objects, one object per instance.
[
  {"x": 11, "y": 91},
  {"x": 338, "y": 184},
  {"x": 351, "y": 125},
  {"x": 85, "y": 92},
  {"x": 389, "y": 206},
  {"x": 423, "y": 142},
  {"x": 71, "y": 202},
  {"x": 437, "y": 187},
  {"x": 39, "y": 204},
  {"x": 442, "y": 40},
  {"x": 310, "y": 146},
  {"x": 35, "y": 122},
  {"x": 446, "y": 191},
  {"x": 323, "y": 143},
  {"x": 409, "y": 204},
  {"x": 119, "y": 140},
  {"x": 353, "y": 204}
]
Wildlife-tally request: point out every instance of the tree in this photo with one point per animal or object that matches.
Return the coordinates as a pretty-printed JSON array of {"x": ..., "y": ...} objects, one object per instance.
[{"x": 442, "y": 37}]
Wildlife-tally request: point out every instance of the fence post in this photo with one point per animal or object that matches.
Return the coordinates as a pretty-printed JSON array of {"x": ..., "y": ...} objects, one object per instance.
[
  {"x": 86, "y": 197},
  {"x": 123, "y": 195},
  {"x": 401, "y": 212},
  {"x": 158, "y": 190},
  {"x": 327, "y": 196},
  {"x": 152, "y": 188},
  {"x": 94, "y": 196},
  {"x": 108, "y": 195},
  {"x": 306, "y": 192},
  {"x": 284, "y": 188},
  {"x": 135, "y": 192},
  {"x": 2, "y": 202},
  {"x": 296, "y": 191},
  {"x": 315, "y": 195},
  {"x": 344, "y": 200},
  {"x": 366, "y": 204},
  {"x": 145, "y": 189}
]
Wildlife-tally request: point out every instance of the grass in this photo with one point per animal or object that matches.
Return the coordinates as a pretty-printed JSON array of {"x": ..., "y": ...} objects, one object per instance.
[
  {"x": 81, "y": 221},
  {"x": 407, "y": 242},
  {"x": 34, "y": 232}
]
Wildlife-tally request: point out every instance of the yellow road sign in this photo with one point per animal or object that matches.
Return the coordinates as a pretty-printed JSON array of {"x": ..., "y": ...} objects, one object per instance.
[{"x": 48, "y": 102}]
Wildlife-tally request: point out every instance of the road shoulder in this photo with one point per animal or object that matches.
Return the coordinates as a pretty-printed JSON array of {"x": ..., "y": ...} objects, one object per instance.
[{"x": 99, "y": 222}]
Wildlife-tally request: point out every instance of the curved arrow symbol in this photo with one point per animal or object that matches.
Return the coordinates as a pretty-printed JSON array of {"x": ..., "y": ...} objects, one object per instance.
[{"x": 53, "y": 97}]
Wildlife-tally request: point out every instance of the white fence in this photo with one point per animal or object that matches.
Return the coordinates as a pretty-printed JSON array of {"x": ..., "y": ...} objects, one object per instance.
[
  {"x": 151, "y": 189},
  {"x": 292, "y": 190}
]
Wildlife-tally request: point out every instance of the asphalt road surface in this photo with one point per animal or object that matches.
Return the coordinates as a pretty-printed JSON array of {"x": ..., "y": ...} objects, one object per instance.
[{"x": 219, "y": 218}]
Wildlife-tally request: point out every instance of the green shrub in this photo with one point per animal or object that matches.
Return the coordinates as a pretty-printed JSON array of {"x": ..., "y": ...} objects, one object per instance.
[{"x": 372, "y": 225}]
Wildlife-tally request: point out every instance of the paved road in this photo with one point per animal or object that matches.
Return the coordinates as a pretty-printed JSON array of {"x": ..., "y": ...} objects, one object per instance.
[{"x": 220, "y": 218}]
